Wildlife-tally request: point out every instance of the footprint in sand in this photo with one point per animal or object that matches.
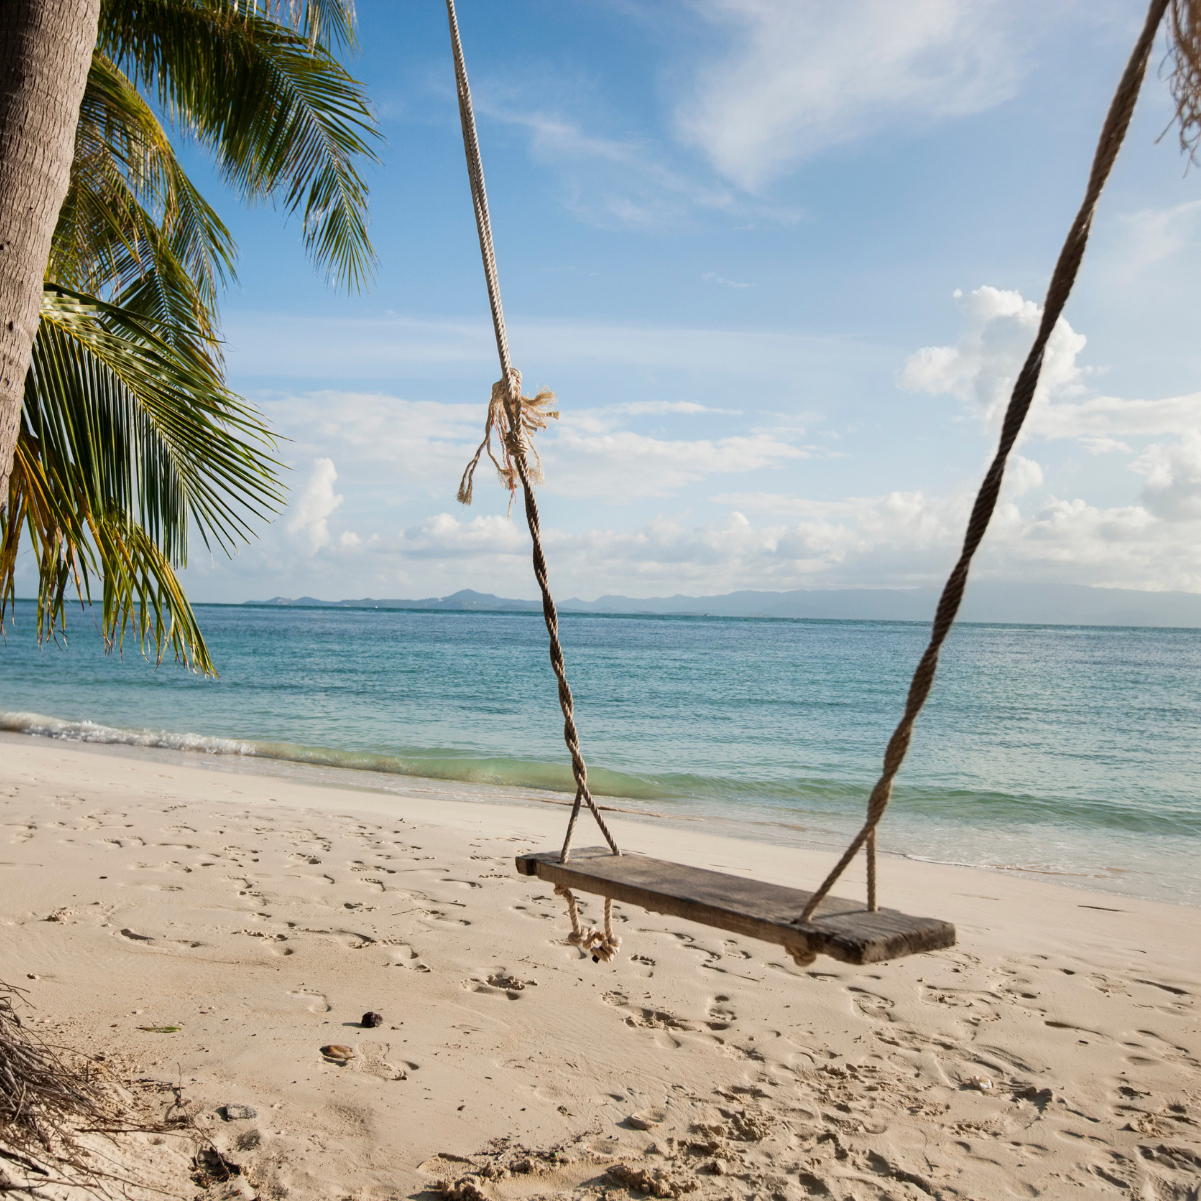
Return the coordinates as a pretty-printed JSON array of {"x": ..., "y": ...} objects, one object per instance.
[
  {"x": 526, "y": 911},
  {"x": 158, "y": 944},
  {"x": 500, "y": 983},
  {"x": 437, "y": 915},
  {"x": 871, "y": 1005},
  {"x": 373, "y": 1057},
  {"x": 314, "y": 1002},
  {"x": 172, "y": 865},
  {"x": 720, "y": 1015},
  {"x": 647, "y": 1019},
  {"x": 274, "y": 941},
  {"x": 403, "y": 955},
  {"x": 1168, "y": 1050}
]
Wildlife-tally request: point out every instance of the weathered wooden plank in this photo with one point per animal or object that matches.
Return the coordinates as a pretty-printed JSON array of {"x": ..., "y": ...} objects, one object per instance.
[{"x": 841, "y": 929}]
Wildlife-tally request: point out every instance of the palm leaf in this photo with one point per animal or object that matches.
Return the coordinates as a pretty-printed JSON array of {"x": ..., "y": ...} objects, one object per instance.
[
  {"x": 133, "y": 217},
  {"x": 323, "y": 22},
  {"x": 128, "y": 441},
  {"x": 283, "y": 117}
]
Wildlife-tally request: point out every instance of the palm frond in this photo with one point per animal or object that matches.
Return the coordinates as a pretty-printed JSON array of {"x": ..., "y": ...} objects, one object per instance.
[
  {"x": 139, "y": 587},
  {"x": 151, "y": 425},
  {"x": 282, "y": 116},
  {"x": 132, "y": 212},
  {"x": 127, "y": 441},
  {"x": 323, "y": 22}
]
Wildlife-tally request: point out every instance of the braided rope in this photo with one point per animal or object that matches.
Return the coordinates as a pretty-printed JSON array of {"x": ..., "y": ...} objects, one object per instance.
[
  {"x": 602, "y": 945},
  {"x": 479, "y": 197},
  {"x": 1117, "y": 121},
  {"x": 518, "y": 420}
]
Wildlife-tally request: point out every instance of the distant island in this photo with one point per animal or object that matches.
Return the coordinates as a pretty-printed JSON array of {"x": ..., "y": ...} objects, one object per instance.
[{"x": 986, "y": 601}]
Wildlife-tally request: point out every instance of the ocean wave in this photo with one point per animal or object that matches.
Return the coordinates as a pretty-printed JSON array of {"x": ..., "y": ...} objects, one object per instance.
[
  {"x": 90, "y": 731},
  {"x": 806, "y": 800}
]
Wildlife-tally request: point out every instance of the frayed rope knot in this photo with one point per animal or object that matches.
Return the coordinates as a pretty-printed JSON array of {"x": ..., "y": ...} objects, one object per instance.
[
  {"x": 602, "y": 945},
  {"x": 801, "y": 957},
  {"x": 516, "y": 419}
]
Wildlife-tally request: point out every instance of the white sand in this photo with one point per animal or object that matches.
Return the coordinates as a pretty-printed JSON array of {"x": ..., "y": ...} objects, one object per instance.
[{"x": 263, "y": 917}]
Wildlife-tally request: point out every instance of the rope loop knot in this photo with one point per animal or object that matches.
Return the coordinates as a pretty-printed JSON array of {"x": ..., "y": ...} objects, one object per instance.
[
  {"x": 602, "y": 945},
  {"x": 516, "y": 419}
]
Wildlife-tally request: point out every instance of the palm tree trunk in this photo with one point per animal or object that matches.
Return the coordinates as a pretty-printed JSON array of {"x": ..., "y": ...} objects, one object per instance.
[{"x": 45, "y": 53}]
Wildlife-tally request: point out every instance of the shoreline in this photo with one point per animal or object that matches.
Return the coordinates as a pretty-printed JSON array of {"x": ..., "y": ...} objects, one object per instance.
[
  {"x": 757, "y": 830},
  {"x": 263, "y": 916}
]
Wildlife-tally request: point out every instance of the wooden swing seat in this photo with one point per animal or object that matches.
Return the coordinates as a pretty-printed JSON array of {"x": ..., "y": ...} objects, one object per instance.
[{"x": 841, "y": 929}]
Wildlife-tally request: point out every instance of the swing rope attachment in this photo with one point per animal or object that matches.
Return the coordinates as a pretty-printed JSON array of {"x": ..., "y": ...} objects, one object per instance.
[
  {"x": 1117, "y": 121},
  {"x": 533, "y": 415},
  {"x": 516, "y": 419},
  {"x": 602, "y": 945}
]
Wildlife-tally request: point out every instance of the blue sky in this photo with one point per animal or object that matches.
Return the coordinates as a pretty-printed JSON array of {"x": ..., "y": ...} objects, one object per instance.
[{"x": 779, "y": 260}]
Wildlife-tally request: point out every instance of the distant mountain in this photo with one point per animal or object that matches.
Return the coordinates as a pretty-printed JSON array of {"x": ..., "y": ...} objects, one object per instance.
[
  {"x": 466, "y": 599},
  {"x": 986, "y": 601}
]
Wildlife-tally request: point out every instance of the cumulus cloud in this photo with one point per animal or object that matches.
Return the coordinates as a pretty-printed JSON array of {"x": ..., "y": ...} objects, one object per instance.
[
  {"x": 898, "y": 539},
  {"x": 761, "y": 531},
  {"x": 796, "y": 79},
  {"x": 1022, "y": 475},
  {"x": 998, "y": 328},
  {"x": 311, "y": 510},
  {"x": 1173, "y": 471},
  {"x": 446, "y": 536}
]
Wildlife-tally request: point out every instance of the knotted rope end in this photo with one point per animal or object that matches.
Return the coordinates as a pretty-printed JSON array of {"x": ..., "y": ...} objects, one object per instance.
[
  {"x": 601, "y": 944},
  {"x": 802, "y": 956},
  {"x": 516, "y": 419}
]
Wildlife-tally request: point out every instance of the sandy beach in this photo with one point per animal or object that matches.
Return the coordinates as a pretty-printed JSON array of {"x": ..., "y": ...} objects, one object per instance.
[{"x": 1055, "y": 1052}]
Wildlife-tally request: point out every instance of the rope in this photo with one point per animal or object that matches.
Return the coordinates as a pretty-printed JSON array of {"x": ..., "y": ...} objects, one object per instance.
[
  {"x": 602, "y": 945},
  {"x": 479, "y": 197},
  {"x": 1117, "y": 121},
  {"x": 523, "y": 416}
]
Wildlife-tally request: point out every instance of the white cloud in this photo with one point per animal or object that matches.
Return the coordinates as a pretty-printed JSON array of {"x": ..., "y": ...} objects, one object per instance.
[
  {"x": 624, "y": 465},
  {"x": 446, "y": 536},
  {"x": 1100, "y": 421},
  {"x": 801, "y": 77},
  {"x": 901, "y": 539},
  {"x": 638, "y": 408},
  {"x": 310, "y": 511},
  {"x": 427, "y": 440},
  {"x": 1151, "y": 236},
  {"x": 588, "y": 452},
  {"x": 622, "y": 182},
  {"x": 1173, "y": 471},
  {"x": 1022, "y": 475},
  {"x": 999, "y": 327}
]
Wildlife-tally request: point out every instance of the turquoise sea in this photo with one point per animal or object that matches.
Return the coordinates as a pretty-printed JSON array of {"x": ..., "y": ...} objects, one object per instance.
[{"x": 1069, "y": 753}]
